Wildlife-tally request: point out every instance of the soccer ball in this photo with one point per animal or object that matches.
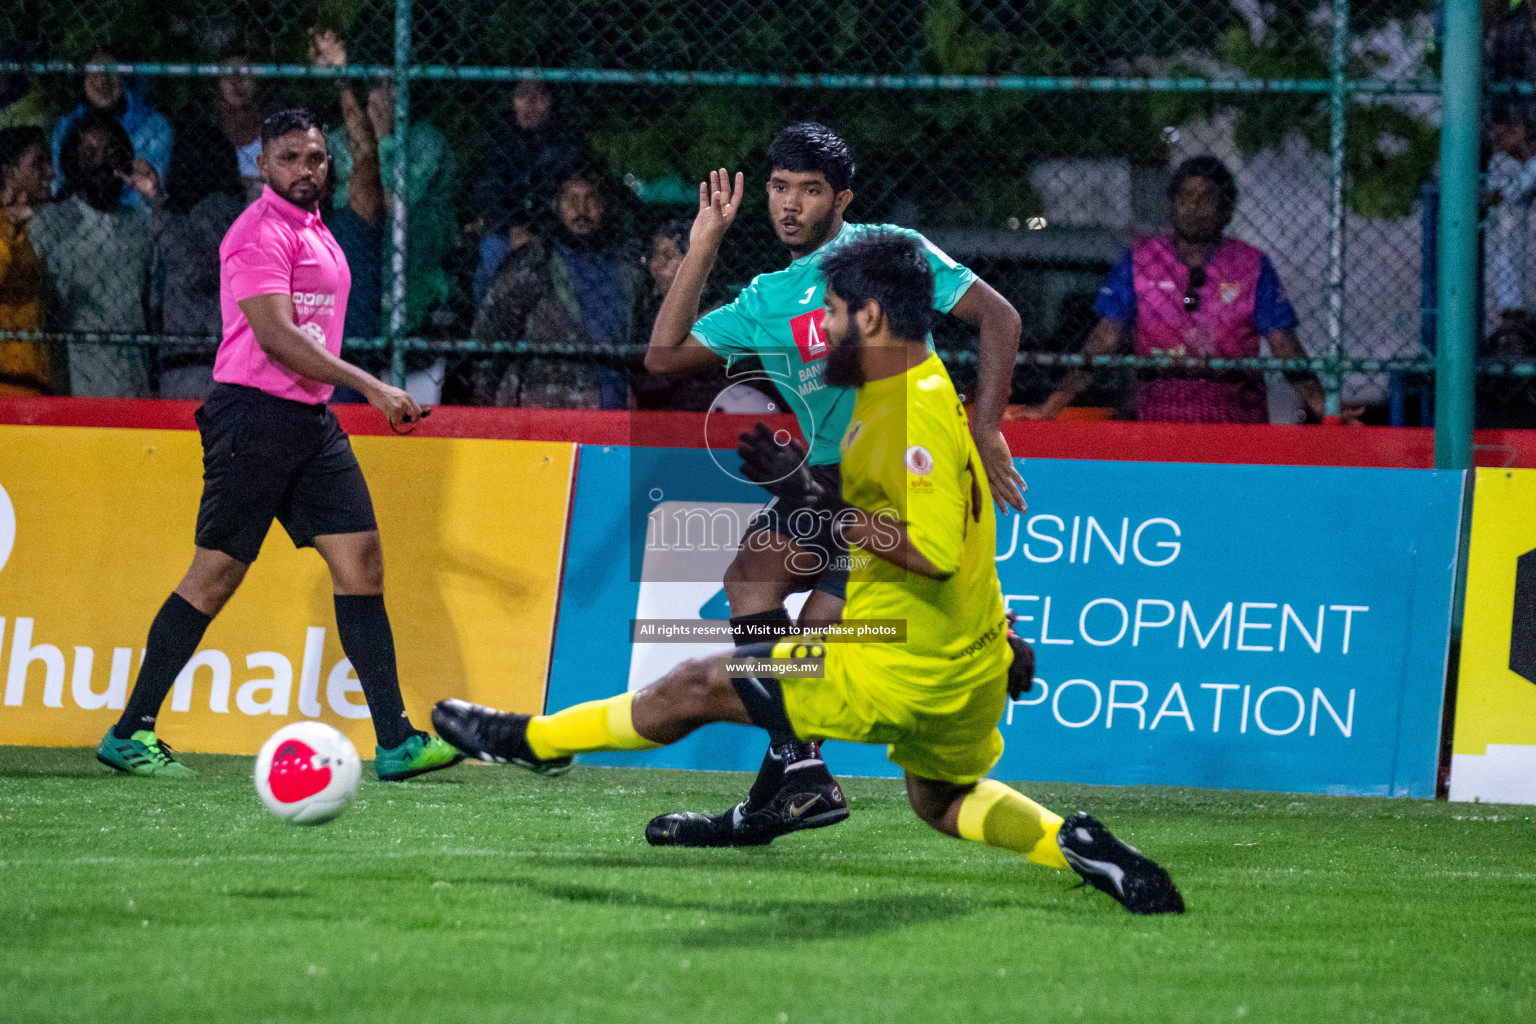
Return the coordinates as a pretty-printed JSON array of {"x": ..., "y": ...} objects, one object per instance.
[{"x": 307, "y": 773}]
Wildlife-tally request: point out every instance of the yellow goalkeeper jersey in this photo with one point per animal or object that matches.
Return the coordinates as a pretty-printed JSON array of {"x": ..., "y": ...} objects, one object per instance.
[{"x": 908, "y": 454}]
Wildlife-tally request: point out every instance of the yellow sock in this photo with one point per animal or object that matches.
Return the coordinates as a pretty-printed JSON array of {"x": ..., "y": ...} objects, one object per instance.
[
  {"x": 1002, "y": 817},
  {"x": 585, "y": 728}
]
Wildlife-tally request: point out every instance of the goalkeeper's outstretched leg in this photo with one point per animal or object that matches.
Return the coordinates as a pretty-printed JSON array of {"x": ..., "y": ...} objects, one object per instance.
[
  {"x": 700, "y": 692},
  {"x": 694, "y": 694}
]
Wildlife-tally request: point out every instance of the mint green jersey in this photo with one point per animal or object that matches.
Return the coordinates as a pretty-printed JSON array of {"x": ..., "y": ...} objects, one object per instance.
[{"x": 778, "y": 319}]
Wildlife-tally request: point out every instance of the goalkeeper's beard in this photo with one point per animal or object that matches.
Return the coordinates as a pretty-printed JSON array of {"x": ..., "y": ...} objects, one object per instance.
[{"x": 845, "y": 363}]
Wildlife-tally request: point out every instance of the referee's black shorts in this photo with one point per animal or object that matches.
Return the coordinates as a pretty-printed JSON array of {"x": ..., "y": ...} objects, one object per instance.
[{"x": 268, "y": 458}]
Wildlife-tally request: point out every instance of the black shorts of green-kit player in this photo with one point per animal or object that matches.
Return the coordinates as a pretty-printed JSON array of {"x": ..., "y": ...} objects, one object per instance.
[{"x": 826, "y": 555}]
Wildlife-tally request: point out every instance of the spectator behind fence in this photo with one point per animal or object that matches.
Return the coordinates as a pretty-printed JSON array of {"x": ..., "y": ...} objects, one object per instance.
[
  {"x": 149, "y": 132},
  {"x": 204, "y": 195},
  {"x": 1510, "y": 191},
  {"x": 1195, "y": 292},
  {"x": 96, "y": 252},
  {"x": 582, "y": 285},
  {"x": 240, "y": 106},
  {"x": 691, "y": 390},
  {"x": 25, "y": 178},
  {"x": 428, "y": 197},
  {"x": 22, "y": 100},
  {"x": 524, "y": 163}
]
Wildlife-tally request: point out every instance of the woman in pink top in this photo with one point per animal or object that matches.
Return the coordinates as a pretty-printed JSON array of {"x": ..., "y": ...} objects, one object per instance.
[
  {"x": 1195, "y": 292},
  {"x": 272, "y": 449}
]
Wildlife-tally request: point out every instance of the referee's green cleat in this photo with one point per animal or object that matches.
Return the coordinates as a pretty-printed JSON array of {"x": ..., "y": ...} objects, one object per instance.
[
  {"x": 416, "y": 756},
  {"x": 143, "y": 753}
]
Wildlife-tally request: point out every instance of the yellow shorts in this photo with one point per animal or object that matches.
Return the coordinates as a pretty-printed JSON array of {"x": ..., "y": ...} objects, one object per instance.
[{"x": 948, "y": 734}]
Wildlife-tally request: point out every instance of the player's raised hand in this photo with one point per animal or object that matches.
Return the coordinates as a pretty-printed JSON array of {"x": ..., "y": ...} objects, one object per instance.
[
  {"x": 397, "y": 406},
  {"x": 143, "y": 178},
  {"x": 718, "y": 204},
  {"x": 326, "y": 48}
]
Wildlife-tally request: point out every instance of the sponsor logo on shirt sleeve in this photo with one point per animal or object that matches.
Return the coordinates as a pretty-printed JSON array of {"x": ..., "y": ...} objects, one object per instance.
[{"x": 313, "y": 301}]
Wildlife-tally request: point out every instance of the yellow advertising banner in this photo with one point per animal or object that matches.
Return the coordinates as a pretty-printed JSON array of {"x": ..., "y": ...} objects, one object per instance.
[
  {"x": 96, "y": 530},
  {"x": 1493, "y": 758}
]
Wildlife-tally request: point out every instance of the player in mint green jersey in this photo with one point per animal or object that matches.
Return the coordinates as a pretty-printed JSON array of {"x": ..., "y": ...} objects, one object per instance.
[{"x": 778, "y": 318}]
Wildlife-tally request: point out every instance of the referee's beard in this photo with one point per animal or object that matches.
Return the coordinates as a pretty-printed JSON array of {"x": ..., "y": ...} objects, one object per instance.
[
  {"x": 303, "y": 193},
  {"x": 845, "y": 363}
]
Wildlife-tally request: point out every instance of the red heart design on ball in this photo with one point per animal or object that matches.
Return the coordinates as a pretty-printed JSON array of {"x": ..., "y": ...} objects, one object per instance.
[{"x": 293, "y": 775}]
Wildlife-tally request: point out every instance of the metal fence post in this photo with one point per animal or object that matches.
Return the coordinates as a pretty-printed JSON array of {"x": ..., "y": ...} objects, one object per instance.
[
  {"x": 397, "y": 206},
  {"x": 1459, "y": 315},
  {"x": 1338, "y": 103}
]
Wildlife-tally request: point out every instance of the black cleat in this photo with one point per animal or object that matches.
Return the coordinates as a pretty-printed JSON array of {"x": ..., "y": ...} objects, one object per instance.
[
  {"x": 690, "y": 828},
  {"x": 1116, "y": 868},
  {"x": 809, "y": 797},
  {"x": 492, "y": 735}
]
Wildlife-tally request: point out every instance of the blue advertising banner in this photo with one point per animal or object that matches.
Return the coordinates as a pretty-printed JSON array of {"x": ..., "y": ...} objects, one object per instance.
[{"x": 1247, "y": 627}]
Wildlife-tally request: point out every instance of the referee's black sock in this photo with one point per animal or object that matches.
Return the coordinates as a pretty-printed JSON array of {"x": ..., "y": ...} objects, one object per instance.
[
  {"x": 363, "y": 625},
  {"x": 173, "y": 638},
  {"x": 761, "y": 627}
]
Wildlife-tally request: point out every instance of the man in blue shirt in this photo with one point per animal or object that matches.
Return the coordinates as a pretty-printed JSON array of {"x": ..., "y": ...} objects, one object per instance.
[{"x": 1196, "y": 291}]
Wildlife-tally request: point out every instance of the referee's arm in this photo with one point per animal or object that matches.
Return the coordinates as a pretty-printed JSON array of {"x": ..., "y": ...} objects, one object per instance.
[{"x": 271, "y": 320}]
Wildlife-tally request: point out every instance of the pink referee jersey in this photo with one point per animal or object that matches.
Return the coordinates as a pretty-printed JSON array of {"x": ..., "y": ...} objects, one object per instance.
[{"x": 275, "y": 248}]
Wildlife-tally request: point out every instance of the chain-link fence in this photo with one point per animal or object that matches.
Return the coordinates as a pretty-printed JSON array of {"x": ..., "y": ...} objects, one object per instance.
[{"x": 1033, "y": 140}]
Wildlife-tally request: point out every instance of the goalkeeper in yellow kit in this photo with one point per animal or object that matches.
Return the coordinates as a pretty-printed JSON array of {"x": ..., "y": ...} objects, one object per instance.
[{"x": 917, "y": 513}]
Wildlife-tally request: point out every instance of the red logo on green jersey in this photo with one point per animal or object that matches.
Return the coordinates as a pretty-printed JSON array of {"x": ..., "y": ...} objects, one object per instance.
[{"x": 809, "y": 338}]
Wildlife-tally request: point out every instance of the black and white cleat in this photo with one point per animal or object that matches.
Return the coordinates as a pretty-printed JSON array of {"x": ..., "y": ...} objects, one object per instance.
[
  {"x": 491, "y": 735},
  {"x": 807, "y": 798},
  {"x": 1136, "y": 882}
]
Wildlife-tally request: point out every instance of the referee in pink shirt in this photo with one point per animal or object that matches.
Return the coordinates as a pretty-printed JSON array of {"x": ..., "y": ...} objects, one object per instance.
[{"x": 272, "y": 449}]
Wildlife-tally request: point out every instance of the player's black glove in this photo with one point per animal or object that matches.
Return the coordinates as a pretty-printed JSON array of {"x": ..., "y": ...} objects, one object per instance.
[
  {"x": 1021, "y": 674},
  {"x": 782, "y": 471}
]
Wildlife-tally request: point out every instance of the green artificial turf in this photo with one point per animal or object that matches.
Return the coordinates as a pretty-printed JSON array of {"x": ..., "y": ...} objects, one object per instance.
[{"x": 488, "y": 894}]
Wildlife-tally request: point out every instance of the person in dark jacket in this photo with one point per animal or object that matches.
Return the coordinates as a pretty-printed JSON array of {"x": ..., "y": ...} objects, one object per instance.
[
  {"x": 525, "y": 161},
  {"x": 581, "y": 285}
]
